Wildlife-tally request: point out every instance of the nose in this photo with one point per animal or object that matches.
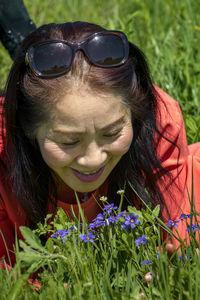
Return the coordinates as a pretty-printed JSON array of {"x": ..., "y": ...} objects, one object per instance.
[{"x": 93, "y": 157}]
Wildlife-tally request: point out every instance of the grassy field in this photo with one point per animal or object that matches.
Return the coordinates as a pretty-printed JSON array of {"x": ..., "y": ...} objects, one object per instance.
[
  {"x": 168, "y": 32},
  {"x": 118, "y": 256}
]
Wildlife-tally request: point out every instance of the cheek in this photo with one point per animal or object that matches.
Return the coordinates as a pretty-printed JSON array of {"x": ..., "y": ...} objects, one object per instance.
[
  {"x": 122, "y": 144},
  {"x": 55, "y": 156}
]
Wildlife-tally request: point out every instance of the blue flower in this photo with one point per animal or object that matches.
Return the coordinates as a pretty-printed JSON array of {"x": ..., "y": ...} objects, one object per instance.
[
  {"x": 109, "y": 208},
  {"x": 194, "y": 228},
  {"x": 184, "y": 217},
  {"x": 121, "y": 214},
  {"x": 158, "y": 255},
  {"x": 62, "y": 233},
  {"x": 141, "y": 240},
  {"x": 99, "y": 217},
  {"x": 87, "y": 237},
  {"x": 130, "y": 221},
  {"x": 181, "y": 257},
  {"x": 171, "y": 223},
  {"x": 109, "y": 220},
  {"x": 187, "y": 256},
  {"x": 97, "y": 222},
  {"x": 146, "y": 262},
  {"x": 127, "y": 227},
  {"x": 73, "y": 227}
]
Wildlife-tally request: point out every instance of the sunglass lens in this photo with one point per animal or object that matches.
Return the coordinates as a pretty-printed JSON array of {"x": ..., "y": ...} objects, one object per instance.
[
  {"x": 106, "y": 50},
  {"x": 52, "y": 58}
]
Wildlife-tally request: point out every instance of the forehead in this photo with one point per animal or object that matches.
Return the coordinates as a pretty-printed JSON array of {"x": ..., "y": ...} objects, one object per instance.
[{"x": 84, "y": 105}]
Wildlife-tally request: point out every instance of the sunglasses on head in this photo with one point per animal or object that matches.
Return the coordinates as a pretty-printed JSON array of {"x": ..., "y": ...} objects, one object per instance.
[{"x": 53, "y": 58}]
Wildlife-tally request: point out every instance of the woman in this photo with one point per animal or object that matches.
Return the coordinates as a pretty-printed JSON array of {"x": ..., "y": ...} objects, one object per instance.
[{"x": 81, "y": 114}]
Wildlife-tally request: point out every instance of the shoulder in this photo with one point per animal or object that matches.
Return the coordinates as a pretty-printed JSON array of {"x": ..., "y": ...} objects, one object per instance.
[
  {"x": 168, "y": 109},
  {"x": 166, "y": 98},
  {"x": 171, "y": 141},
  {"x": 169, "y": 117}
]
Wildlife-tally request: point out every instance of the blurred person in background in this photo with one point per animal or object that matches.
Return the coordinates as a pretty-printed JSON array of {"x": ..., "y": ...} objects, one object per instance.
[{"x": 15, "y": 25}]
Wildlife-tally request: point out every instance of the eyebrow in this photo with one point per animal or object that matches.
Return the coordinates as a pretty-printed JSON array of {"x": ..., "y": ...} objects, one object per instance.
[
  {"x": 114, "y": 124},
  {"x": 107, "y": 127}
]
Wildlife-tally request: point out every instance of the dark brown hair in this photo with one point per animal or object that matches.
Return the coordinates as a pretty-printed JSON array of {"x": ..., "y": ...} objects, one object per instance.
[{"x": 30, "y": 99}]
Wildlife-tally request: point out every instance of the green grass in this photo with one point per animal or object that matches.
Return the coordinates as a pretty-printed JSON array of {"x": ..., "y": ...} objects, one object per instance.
[
  {"x": 168, "y": 32},
  {"x": 108, "y": 268}
]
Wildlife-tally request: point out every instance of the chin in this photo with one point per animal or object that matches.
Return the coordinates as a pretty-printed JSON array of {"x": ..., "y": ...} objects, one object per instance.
[{"x": 87, "y": 188}]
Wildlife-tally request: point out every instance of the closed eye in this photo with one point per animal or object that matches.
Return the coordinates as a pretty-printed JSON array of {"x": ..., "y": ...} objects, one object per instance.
[
  {"x": 112, "y": 134},
  {"x": 69, "y": 144}
]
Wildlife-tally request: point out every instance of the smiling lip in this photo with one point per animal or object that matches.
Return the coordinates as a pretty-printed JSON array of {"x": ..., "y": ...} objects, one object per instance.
[{"x": 88, "y": 178}]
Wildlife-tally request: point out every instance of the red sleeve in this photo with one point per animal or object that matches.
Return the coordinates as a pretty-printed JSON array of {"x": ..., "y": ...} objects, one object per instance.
[
  {"x": 7, "y": 231},
  {"x": 12, "y": 217},
  {"x": 7, "y": 236},
  {"x": 181, "y": 160},
  {"x": 6, "y": 228},
  {"x": 2, "y": 132},
  {"x": 172, "y": 149}
]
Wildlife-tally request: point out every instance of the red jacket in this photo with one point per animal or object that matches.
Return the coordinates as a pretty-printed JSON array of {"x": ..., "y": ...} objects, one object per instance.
[{"x": 178, "y": 162}]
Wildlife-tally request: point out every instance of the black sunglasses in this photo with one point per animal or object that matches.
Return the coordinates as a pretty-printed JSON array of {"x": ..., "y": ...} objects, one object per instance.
[{"x": 53, "y": 58}]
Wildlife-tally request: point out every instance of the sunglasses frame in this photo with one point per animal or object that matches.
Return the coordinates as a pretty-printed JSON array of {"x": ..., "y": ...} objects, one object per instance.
[{"x": 29, "y": 58}]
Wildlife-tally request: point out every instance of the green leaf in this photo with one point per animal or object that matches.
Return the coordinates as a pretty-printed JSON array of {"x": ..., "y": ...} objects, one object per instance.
[
  {"x": 24, "y": 246},
  {"x": 125, "y": 238},
  {"x": 156, "y": 211},
  {"x": 31, "y": 239},
  {"x": 43, "y": 228},
  {"x": 49, "y": 245},
  {"x": 61, "y": 217},
  {"x": 28, "y": 257}
]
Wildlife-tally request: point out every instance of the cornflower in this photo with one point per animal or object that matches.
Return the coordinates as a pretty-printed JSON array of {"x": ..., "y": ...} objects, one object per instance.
[
  {"x": 97, "y": 222},
  {"x": 109, "y": 220},
  {"x": 62, "y": 233},
  {"x": 186, "y": 256},
  {"x": 194, "y": 227},
  {"x": 90, "y": 236},
  {"x": 184, "y": 216},
  {"x": 121, "y": 214},
  {"x": 109, "y": 208},
  {"x": 141, "y": 240},
  {"x": 146, "y": 262},
  {"x": 171, "y": 223},
  {"x": 130, "y": 221}
]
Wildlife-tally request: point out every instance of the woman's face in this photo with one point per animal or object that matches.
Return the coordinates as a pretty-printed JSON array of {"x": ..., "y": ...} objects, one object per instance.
[{"x": 86, "y": 138}]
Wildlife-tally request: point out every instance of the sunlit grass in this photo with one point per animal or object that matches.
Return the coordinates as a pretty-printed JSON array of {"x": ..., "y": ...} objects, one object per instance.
[
  {"x": 109, "y": 264},
  {"x": 168, "y": 32}
]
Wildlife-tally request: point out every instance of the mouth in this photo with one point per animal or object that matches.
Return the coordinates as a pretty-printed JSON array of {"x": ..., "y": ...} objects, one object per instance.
[{"x": 88, "y": 176}]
